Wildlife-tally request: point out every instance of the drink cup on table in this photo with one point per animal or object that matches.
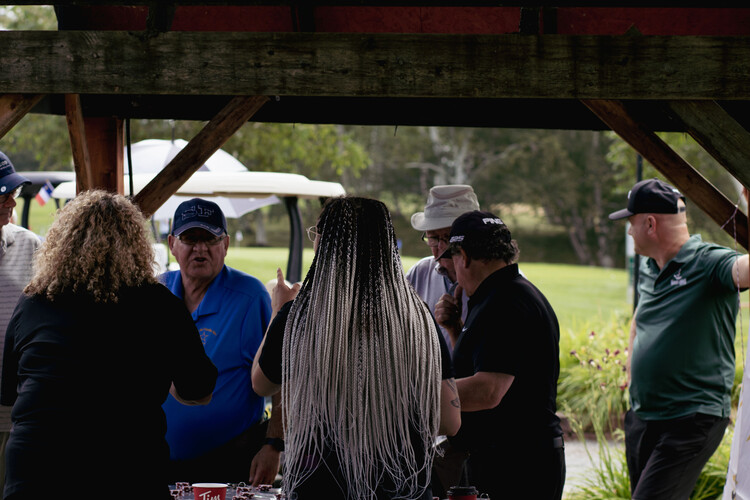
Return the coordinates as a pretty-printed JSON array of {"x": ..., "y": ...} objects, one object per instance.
[
  {"x": 210, "y": 491},
  {"x": 462, "y": 493}
]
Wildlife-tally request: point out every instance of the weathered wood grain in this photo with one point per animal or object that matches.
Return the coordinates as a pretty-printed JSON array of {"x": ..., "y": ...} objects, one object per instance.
[
  {"x": 13, "y": 107},
  {"x": 718, "y": 133},
  {"x": 376, "y": 65}
]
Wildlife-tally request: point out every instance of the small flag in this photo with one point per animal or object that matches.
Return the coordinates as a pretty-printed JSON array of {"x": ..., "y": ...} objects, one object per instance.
[{"x": 45, "y": 193}]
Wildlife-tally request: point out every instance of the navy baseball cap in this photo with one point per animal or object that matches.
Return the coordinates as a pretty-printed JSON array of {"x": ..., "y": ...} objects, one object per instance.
[
  {"x": 201, "y": 213},
  {"x": 651, "y": 196},
  {"x": 477, "y": 227},
  {"x": 9, "y": 179}
]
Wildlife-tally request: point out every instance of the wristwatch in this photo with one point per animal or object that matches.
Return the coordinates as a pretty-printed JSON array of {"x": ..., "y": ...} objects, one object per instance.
[{"x": 276, "y": 443}]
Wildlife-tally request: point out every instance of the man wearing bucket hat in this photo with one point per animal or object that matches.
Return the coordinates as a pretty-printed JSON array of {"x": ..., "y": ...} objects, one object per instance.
[
  {"x": 681, "y": 360},
  {"x": 434, "y": 279},
  {"x": 17, "y": 246},
  {"x": 435, "y": 282},
  {"x": 506, "y": 363},
  {"x": 229, "y": 439}
]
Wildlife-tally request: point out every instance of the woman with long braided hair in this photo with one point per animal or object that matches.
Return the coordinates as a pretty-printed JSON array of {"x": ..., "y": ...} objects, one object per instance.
[{"x": 365, "y": 378}]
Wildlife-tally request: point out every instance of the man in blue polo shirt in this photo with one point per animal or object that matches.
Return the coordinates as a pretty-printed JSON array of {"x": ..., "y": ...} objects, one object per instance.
[
  {"x": 228, "y": 439},
  {"x": 681, "y": 356}
]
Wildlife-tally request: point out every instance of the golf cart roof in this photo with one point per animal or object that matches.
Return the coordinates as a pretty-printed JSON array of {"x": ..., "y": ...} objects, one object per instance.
[{"x": 232, "y": 184}]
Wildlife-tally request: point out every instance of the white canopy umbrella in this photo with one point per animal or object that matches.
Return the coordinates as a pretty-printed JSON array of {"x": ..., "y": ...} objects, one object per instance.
[{"x": 152, "y": 155}]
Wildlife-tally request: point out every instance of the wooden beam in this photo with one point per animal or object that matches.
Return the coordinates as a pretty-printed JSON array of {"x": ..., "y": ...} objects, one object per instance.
[
  {"x": 197, "y": 151},
  {"x": 684, "y": 177},
  {"x": 78, "y": 146},
  {"x": 13, "y": 107},
  {"x": 376, "y": 65},
  {"x": 719, "y": 134},
  {"x": 105, "y": 138}
]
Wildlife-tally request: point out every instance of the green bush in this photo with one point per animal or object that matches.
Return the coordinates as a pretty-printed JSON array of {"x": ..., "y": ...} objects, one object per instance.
[{"x": 592, "y": 387}]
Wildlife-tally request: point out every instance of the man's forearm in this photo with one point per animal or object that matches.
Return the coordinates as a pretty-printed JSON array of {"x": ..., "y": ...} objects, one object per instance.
[
  {"x": 276, "y": 423},
  {"x": 483, "y": 390}
]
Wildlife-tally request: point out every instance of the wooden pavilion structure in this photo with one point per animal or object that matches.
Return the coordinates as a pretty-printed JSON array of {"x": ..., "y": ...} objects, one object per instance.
[{"x": 636, "y": 68}]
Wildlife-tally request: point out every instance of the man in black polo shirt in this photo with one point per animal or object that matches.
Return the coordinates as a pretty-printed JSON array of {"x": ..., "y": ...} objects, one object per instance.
[{"x": 506, "y": 362}]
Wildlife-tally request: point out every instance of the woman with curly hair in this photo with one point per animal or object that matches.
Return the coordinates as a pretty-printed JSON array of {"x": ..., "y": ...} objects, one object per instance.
[
  {"x": 94, "y": 346},
  {"x": 365, "y": 378}
]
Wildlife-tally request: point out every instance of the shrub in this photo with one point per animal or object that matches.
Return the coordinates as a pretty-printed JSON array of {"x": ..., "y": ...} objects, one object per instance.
[{"x": 592, "y": 387}]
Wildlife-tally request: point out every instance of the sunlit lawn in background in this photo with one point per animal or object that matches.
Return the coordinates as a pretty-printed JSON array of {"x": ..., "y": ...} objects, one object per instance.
[{"x": 577, "y": 293}]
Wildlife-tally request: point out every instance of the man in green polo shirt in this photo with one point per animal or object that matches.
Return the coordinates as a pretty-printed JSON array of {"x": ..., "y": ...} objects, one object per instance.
[{"x": 681, "y": 362}]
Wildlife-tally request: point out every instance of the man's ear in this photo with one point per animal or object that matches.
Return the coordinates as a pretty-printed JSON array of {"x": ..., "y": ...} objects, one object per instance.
[
  {"x": 170, "y": 242},
  {"x": 466, "y": 258}
]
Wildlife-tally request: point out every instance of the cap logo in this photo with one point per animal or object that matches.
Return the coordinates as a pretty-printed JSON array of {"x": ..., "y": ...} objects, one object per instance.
[
  {"x": 456, "y": 239},
  {"x": 197, "y": 211},
  {"x": 629, "y": 192},
  {"x": 2, "y": 189},
  {"x": 490, "y": 220}
]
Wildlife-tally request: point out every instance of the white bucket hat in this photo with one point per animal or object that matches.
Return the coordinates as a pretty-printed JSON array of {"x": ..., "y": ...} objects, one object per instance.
[{"x": 444, "y": 204}]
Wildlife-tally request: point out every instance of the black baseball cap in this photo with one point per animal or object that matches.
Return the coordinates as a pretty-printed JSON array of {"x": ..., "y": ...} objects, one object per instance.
[
  {"x": 201, "y": 213},
  {"x": 651, "y": 196},
  {"x": 477, "y": 227},
  {"x": 9, "y": 179}
]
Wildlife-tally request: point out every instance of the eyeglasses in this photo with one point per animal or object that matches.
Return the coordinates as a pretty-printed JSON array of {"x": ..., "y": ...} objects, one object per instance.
[
  {"x": 13, "y": 194},
  {"x": 433, "y": 241},
  {"x": 191, "y": 241},
  {"x": 312, "y": 233}
]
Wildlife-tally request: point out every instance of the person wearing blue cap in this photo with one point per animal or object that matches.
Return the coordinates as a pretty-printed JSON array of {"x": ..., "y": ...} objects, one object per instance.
[
  {"x": 17, "y": 246},
  {"x": 507, "y": 363},
  {"x": 681, "y": 359},
  {"x": 229, "y": 439}
]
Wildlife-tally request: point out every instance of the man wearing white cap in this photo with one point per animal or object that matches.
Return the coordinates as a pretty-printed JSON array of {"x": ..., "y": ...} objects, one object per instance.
[
  {"x": 17, "y": 247},
  {"x": 432, "y": 278}
]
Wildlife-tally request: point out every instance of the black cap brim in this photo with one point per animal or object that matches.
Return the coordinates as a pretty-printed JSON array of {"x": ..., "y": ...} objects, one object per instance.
[
  {"x": 448, "y": 254},
  {"x": 620, "y": 214}
]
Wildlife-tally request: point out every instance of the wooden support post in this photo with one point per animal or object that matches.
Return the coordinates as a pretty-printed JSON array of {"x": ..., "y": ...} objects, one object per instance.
[
  {"x": 105, "y": 138},
  {"x": 668, "y": 162},
  {"x": 78, "y": 146},
  {"x": 13, "y": 107},
  {"x": 200, "y": 148}
]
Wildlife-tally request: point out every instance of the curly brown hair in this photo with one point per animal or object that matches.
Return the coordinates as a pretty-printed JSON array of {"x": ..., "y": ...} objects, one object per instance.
[{"x": 97, "y": 245}]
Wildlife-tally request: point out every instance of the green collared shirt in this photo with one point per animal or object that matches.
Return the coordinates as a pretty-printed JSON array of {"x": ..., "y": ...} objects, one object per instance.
[{"x": 683, "y": 353}]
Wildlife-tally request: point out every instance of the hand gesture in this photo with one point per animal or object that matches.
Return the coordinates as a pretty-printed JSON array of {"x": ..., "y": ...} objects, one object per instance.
[
  {"x": 448, "y": 312},
  {"x": 282, "y": 293}
]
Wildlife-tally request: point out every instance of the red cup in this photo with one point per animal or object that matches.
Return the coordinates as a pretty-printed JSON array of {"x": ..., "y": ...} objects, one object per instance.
[
  {"x": 462, "y": 493},
  {"x": 210, "y": 491}
]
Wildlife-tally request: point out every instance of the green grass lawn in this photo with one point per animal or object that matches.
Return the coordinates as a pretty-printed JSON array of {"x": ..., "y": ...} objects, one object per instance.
[{"x": 577, "y": 293}]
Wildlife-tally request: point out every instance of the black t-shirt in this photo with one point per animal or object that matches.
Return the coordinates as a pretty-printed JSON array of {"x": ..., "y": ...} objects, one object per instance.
[
  {"x": 510, "y": 328},
  {"x": 88, "y": 381}
]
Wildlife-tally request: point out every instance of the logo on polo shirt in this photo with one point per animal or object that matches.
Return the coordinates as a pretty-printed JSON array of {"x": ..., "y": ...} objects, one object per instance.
[{"x": 677, "y": 279}]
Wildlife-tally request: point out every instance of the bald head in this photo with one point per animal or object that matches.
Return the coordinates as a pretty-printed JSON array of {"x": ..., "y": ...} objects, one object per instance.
[{"x": 659, "y": 236}]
